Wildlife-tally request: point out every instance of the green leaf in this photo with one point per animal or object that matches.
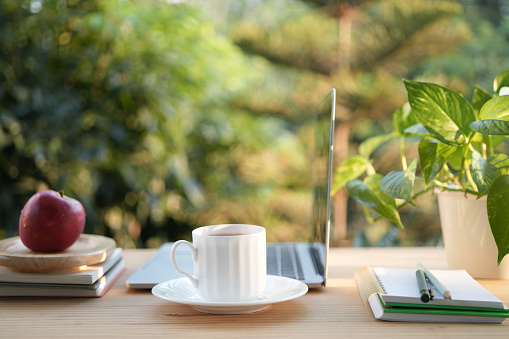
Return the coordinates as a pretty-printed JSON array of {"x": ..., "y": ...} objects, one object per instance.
[
  {"x": 491, "y": 127},
  {"x": 403, "y": 118},
  {"x": 417, "y": 129},
  {"x": 399, "y": 184},
  {"x": 443, "y": 112},
  {"x": 369, "y": 194},
  {"x": 455, "y": 159},
  {"x": 368, "y": 146},
  {"x": 501, "y": 80},
  {"x": 433, "y": 155},
  {"x": 498, "y": 214},
  {"x": 480, "y": 98},
  {"x": 496, "y": 109},
  {"x": 350, "y": 169},
  {"x": 485, "y": 172},
  {"x": 427, "y": 155}
]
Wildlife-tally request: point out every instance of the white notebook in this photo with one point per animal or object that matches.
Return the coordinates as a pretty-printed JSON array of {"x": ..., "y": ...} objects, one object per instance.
[
  {"x": 393, "y": 294},
  {"x": 400, "y": 286}
]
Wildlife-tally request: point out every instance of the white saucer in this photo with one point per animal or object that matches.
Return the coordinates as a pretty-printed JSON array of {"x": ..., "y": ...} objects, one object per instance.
[{"x": 278, "y": 289}]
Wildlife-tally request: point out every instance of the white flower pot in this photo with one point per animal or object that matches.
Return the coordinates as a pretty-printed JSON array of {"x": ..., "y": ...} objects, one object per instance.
[{"x": 469, "y": 243}]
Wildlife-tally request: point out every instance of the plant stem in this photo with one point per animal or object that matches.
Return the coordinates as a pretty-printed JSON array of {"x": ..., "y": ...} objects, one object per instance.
[
  {"x": 459, "y": 189},
  {"x": 415, "y": 195},
  {"x": 370, "y": 170},
  {"x": 368, "y": 217},
  {"x": 468, "y": 163},
  {"x": 490, "y": 145},
  {"x": 447, "y": 171},
  {"x": 402, "y": 153},
  {"x": 464, "y": 169},
  {"x": 438, "y": 184},
  {"x": 469, "y": 177},
  {"x": 483, "y": 147}
]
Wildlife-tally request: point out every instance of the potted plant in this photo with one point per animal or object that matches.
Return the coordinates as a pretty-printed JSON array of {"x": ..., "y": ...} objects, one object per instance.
[{"x": 460, "y": 149}]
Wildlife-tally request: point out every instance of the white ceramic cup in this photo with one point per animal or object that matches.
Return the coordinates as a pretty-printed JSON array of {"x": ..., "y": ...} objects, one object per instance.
[{"x": 229, "y": 261}]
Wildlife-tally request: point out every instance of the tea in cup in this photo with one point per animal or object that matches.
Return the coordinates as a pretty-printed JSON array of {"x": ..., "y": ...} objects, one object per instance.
[{"x": 229, "y": 261}]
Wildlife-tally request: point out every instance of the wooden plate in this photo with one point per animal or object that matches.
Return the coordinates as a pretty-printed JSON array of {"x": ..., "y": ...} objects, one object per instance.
[{"x": 87, "y": 250}]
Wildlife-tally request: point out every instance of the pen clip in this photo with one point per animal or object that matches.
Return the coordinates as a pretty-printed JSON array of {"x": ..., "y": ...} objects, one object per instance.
[
  {"x": 431, "y": 295},
  {"x": 429, "y": 281}
]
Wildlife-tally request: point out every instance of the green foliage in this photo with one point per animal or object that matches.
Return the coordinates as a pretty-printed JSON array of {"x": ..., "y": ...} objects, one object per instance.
[
  {"x": 500, "y": 81},
  {"x": 391, "y": 183},
  {"x": 352, "y": 168},
  {"x": 117, "y": 103},
  {"x": 370, "y": 194},
  {"x": 445, "y": 114},
  {"x": 451, "y": 132},
  {"x": 393, "y": 31},
  {"x": 433, "y": 157},
  {"x": 498, "y": 205},
  {"x": 306, "y": 44}
]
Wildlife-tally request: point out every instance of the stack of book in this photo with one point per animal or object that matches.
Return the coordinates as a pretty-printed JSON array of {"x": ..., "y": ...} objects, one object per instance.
[
  {"x": 83, "y": 281},
  {"x": 393, "y": 294}
]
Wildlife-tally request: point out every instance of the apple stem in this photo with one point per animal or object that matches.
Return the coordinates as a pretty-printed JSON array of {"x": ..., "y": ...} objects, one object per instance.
[{"x": 61, "y": 193}]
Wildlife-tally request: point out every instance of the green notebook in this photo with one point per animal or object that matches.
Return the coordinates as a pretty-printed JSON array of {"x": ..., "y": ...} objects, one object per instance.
[{"x": 393, "y": 294}]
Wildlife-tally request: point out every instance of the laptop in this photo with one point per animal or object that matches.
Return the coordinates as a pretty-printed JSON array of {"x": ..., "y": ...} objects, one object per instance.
[{"x": 306, "y": 261}]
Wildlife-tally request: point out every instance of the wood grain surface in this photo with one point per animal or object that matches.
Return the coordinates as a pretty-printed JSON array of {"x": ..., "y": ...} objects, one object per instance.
[{"x": 335, "y": 311}]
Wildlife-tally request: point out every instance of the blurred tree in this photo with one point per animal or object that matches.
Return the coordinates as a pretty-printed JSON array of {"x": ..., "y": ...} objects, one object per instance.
[
  {"x": 363, "y": 48},
  {"x": 123, "y": 104},
  {"x": 484, "y": 55}
]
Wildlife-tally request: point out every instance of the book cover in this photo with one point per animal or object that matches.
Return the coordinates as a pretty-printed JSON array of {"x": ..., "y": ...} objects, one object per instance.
[
  {"x": 384, "y": 312},
  {"x": 97, "y": 289},
  {"x": 85, "y": 275}
]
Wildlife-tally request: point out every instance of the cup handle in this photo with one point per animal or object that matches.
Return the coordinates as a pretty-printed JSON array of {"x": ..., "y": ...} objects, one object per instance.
[{"x": 194, "y": 253}]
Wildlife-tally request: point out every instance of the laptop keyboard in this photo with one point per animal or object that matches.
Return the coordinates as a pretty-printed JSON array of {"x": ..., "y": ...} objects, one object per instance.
[{"x": 283, "y": 260}]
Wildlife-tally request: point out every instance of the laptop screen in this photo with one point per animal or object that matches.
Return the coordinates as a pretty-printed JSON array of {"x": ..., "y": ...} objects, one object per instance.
[{"x": 322, "y": 172}]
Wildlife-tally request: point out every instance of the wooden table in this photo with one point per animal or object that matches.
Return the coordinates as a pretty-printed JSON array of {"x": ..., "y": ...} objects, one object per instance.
[{"x": 330, "y": 312}]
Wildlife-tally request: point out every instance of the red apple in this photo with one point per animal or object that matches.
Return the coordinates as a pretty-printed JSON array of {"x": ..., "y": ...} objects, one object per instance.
[{"x": 51, "y": 221}]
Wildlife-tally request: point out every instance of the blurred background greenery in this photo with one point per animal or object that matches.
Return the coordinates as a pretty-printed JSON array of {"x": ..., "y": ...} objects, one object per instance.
[{"x": 161, "y": 116}]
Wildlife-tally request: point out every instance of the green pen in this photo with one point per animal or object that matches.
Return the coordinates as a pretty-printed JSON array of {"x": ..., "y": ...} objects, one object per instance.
[{"x": 423, "y": 286}]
